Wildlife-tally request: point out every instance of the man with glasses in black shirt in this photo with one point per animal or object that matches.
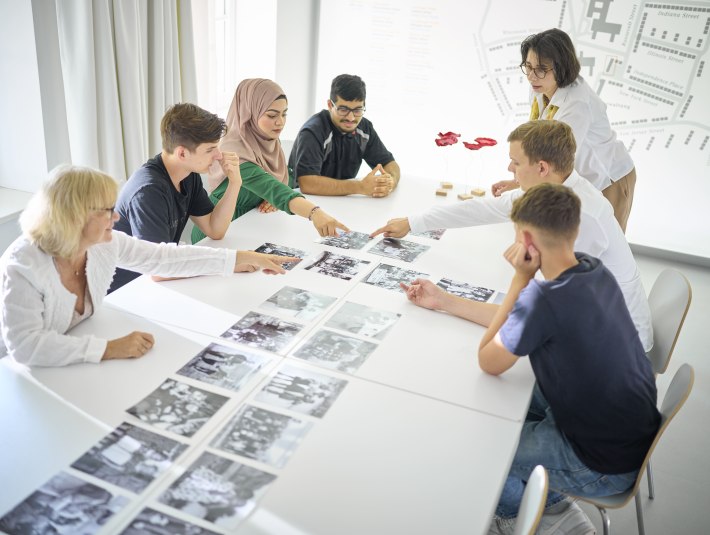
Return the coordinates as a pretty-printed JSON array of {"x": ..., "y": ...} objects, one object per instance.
[{"x": 331, "y": 146}]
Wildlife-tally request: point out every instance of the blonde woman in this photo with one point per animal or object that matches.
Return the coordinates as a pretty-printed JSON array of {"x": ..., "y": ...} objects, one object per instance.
[{"x": 57, "y": 273}]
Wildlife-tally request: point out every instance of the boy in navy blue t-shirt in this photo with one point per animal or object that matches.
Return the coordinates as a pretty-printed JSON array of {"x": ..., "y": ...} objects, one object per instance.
[{"x": 593, "y": 413}]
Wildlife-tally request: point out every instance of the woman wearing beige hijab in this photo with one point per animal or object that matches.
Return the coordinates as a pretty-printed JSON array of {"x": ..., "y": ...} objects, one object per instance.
[{"x": 255, "y": 121}]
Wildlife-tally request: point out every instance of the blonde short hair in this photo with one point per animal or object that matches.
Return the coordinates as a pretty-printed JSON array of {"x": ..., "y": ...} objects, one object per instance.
[{"x": 55, "y": 217}]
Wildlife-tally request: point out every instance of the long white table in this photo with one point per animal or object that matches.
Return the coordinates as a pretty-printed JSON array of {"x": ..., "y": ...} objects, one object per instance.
[{"x": 419, "y": 441}]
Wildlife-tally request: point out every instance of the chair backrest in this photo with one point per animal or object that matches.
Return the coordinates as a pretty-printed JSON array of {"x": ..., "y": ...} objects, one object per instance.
[
  {"x": 669, "y": 301},
  {"x": 533, "y": 503},
  {"x": 676, "y": 395}
]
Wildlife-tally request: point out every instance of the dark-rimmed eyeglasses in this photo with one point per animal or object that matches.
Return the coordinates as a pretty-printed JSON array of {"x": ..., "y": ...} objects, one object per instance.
[
  {"x": 344, "y": 111},
  {"x": 539, "y": 72}
]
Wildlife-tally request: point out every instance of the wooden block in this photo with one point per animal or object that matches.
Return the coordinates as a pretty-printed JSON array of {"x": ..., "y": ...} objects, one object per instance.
[
  {"x": 478, "y": 192},
  {"x": 447, "y": 185},
  {"x": 465, "y": 196},
  {"x": 442, "y": 192}
]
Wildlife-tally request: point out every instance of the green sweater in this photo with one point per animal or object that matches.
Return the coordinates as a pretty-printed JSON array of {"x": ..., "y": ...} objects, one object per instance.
[{"x": 257, "y": 186}]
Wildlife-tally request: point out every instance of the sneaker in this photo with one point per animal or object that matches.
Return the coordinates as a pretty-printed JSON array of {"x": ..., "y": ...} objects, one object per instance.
[
  {"x": 565, "y": 518},
  {"x": 501, "y": 526}
]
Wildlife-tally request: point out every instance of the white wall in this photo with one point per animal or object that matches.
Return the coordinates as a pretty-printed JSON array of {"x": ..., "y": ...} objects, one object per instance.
[{"x": 23, "y": 164}]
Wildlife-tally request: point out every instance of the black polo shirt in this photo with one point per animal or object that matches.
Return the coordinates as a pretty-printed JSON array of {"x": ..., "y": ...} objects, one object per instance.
[{"x": 321, "y": 149}]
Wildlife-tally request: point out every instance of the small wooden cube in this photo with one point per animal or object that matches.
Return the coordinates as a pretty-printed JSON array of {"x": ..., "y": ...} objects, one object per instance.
[
  {"x": 465, "y": 196},
  {"x": 447, "y": 185},
  {"x": 442, "y": 192},
  {"x": 478, "y": 192}
]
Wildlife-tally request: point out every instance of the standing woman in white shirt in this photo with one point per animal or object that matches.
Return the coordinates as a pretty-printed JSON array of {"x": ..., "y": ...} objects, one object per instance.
[
  {"x": 57, "y": 273},
  {"x": 557, "y": 91}
]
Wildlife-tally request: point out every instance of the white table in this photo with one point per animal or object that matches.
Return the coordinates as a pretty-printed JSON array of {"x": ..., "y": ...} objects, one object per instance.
[{"x": 418, "y": 442}]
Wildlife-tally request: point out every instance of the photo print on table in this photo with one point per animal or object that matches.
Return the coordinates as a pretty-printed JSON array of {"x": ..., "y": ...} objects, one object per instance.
[
  {"x": 178, "y": 407},
  {"x": 335, "y": 351},
  {"x": 347, "y": 240},
  {"x": 272, "y": 248},
  {"x": 406, "y": 251},
  {"x": 435, "y": 234},
  {"x": 465, "y": 290},
  {"x": 297, "y": 303},
  {"x": 301, "y": 390},
  {"x": 388, "y": 277},
  {"x": 262, "y": 331},
  {"x": 152, "y": 522},
  {"x": 363, "y": 320},
  {"x": 130, "y": 457},
  {"x": 334, "y": 265},
  {"x": 262, "y": 435},
  {"x": 217, "y": 490},
  {"x": 223, "y": 366},
  {"x": 64, "y": 504}
]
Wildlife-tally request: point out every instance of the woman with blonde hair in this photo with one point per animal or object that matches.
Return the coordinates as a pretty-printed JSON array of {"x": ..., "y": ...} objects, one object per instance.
[
  {"x": 57, "y": 273},
  {"x": 255, "y": 121}
]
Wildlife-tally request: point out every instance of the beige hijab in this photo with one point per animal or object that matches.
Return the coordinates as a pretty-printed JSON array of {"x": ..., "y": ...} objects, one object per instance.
[{"x": 253, "y": 97}]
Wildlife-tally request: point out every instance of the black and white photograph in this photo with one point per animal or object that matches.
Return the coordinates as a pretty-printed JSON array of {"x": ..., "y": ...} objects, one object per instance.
[
  {"x": 130, "y": 457},
  {"x": 347, "y": 240},
  {"x": 465, "y": 290},
  {"x": 302, "y": 391},
  {"x": 152, "y": 522},
  {"x": 262, "y": 435},
  {"x": 388, "y": 277},
  {"x": 297, "y": 303},
  {"x": 406, "y": 251},
  {"x": 435, "y": 234},
  {"x": 338, "y": 266},
  {"x": 262, "y": 331},
  {"x": 178, "y": 407},
  {"x": 223, "y": 366},
  {"x": 272, "y": 248},
  {"x": 217, "y": 490},
  {"x": 64, "y": 504},
  {"x": 363, "y": 320},
  {"x": 335, "y": 351}
]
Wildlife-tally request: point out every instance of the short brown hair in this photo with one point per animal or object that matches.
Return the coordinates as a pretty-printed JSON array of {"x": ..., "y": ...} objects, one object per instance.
[
  {"x": 556, "y": 46},
  {"x": 188, "y": 126},
  {"x": 553, "y": 209},
  {"x": 547, "y": 140}
]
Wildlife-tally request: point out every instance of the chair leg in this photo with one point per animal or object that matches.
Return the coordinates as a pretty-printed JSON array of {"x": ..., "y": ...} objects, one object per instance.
[
  {"x": 606, "y": 521},
  {"x": 649, "y": 476},
  {"x": 639, "y": 514}
]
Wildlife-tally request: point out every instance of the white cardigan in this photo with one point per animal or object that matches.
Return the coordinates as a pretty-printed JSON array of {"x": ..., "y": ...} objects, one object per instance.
[
  {"x": 599, "y": 236},
  {"x": 37, "y": 309}
]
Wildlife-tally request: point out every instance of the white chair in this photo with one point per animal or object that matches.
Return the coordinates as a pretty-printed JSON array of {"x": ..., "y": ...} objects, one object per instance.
[
  {"x": 669, "y": 301},
  {"x": 675, "y": 397},
  {"x": 533, "y": 503}
]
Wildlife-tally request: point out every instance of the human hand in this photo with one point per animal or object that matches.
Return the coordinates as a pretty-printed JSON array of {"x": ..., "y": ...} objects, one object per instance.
[
  {"x": 266, "y": 207},
  {"x": 230, "y": 167},
  {"x": 424, "y": 293},
  {"x": 271, "y": 264},
  {"x": 131, "y": 346},
  {"x": 502, "y": 186},
  {"x": 374, "y": 185},
  {"x": 525, "y": 260},
  {"x": 395, "y": 228},
  {"x": 327, "y": 225}
]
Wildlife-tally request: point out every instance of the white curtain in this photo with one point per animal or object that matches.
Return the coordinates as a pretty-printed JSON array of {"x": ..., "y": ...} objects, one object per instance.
[{"x": 121, "y": 64}]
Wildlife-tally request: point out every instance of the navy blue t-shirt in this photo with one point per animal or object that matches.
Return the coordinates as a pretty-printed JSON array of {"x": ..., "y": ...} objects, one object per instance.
[
  {"x": 321, "y": 149},
  {"x": 150, "y": 208},
  {"x": 589, "y": 363}
]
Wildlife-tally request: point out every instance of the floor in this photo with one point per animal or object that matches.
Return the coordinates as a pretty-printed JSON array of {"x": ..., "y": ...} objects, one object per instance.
[{"x": 681, "y": 462}]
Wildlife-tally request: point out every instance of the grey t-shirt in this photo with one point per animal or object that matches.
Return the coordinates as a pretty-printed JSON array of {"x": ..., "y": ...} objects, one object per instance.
[{"x": 150, "y": 208}]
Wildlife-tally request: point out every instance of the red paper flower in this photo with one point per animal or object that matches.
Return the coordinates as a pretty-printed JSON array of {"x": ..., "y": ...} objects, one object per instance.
[
  {"x": 449, "y": 138},
  {"x": 472, "y": 146}
]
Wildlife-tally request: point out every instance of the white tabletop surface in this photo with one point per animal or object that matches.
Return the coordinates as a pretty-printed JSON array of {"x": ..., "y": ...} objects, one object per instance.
[{"x": 418, "y": 442}]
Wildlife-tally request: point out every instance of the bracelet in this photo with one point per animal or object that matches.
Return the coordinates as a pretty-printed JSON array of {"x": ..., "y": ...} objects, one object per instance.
[{"x": 313, "y": 211}]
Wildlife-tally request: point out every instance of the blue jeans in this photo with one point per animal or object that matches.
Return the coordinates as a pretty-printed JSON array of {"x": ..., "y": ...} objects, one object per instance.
[{"x": 541, "y": 442}]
